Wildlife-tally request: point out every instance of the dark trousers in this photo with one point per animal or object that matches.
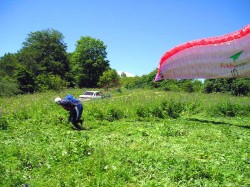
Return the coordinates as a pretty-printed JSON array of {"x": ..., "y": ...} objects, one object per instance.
[{"x": 75, "y": 116}]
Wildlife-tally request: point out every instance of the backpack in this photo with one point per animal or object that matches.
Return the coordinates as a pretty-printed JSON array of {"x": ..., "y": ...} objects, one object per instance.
[{"x": 71, "y": 98}]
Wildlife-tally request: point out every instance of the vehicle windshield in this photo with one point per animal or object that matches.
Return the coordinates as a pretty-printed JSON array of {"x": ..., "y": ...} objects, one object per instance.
[{"x": 89, "y": 93}]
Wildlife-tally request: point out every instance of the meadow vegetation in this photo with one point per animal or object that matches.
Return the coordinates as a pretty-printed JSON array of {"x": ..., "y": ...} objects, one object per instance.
[{"x": 134, "y": 138}]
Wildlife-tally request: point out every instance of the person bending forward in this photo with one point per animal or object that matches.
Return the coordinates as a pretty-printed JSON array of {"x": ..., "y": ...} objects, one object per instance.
[{"x": 75, "y": 109}]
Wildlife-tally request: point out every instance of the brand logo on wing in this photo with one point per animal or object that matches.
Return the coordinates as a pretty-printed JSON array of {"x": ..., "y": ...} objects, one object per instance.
[{"x": 233, "y": 65}]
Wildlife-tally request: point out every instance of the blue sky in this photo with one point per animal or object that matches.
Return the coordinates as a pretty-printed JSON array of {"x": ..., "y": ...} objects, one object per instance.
[{"x": 136, "y": 32}]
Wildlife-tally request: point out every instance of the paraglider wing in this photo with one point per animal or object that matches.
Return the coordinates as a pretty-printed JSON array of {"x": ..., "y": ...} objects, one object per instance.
[{"x": 225, "y": 56}]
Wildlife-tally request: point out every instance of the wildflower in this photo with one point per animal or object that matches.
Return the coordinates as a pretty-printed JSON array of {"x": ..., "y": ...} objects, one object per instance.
[{"x": 64, "y": 153}]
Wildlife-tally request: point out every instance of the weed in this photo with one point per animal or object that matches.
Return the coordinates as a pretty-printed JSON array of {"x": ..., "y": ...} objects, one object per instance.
[
  {"x": 114, "y": 114},
  {"x": 159, "y": 112},
  {"x": 143, "y": 112},
  {"x": 230, "y": 109},
  {"x": 134, "y": 138},
  {"x": 3, "y": 124},
  {"x": 173, "y": 108}
]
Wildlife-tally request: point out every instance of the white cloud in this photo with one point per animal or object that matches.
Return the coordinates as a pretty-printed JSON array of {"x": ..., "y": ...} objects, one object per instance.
[{"x": 127, "y": 73}]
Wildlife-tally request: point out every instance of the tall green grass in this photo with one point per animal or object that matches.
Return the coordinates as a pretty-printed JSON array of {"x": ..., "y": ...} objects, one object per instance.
[
  {"x": 143, "y": 104},
  {"x": 134, "y": 138}
]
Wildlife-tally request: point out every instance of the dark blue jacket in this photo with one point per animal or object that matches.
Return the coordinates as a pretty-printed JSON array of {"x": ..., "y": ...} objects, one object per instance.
[{"x": 69, "y": 103}]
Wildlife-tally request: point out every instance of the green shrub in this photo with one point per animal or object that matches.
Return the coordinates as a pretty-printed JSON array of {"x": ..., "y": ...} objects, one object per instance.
[
  {"x": 192, "y": 107},
  {"x": 8, "y": 88},
  {"x": 187, "y": 86},
  {"x": 165, "y": 109},
  {"x": 240, "y": 87},
  {"x": 158, "y": 112},
  {"x": 173, "y": 108},
  {"x": 3, "y": 124},
  {"x": 143, "y": 112},
  {"x": 229, "y": 109},
  {"x": 96, "y": 113},
  {"x": 114, "y": 114},
  {"x": 49, "y": 82}
]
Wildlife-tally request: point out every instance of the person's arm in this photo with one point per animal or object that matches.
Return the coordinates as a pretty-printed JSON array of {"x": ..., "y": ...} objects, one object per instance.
[{"x": 67, "y": 104}]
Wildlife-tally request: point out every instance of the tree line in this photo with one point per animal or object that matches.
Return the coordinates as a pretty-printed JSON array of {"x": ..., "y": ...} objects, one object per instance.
[
  {"x": 234, "y": 86},
  {"x": 43, "y": 63}
]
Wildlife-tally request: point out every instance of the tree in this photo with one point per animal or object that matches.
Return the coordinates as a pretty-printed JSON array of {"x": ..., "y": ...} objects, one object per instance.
[
  {"x": 43, "y": 52},
  {"x": 109, "y": 79},
  {"x": 49, "y": 81},
  {"x": 123, "y": 75},
  {"x": 89, "y": 61},
  {"x": 238, "y": 86},
  {"x": 8, "y": 87},
  {"x": 208, "y": 86},
  {"x": 8, "y": 65},
  {"x": 186, "y": 85},
  {"x": 8, "y": 82},
  {"x": 197, "y": 85},
  {"x": 25, "y": 77},
  {"x": 241, "y": 86}
]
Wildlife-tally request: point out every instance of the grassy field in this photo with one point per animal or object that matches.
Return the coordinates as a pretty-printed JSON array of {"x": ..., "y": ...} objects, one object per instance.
[{"x": 135, "y": 138}]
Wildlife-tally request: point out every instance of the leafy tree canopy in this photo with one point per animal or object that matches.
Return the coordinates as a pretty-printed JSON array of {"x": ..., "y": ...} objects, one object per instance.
[
  {"x": 8, "y": 65},
  {"x": 109, "y": 79},
  {"x": 238, "y": 86},
  {"x": 45, "y": 51},
  {"x": 89, "y": 61}
]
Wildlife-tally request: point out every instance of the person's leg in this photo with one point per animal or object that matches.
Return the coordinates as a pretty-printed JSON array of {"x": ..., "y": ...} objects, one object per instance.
[
  {"x": 78, "y": 127},
  {"x": 80, "y": 109},
  {"x": 70, "y": 118},
  {"x": 75, "y": 120}
]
